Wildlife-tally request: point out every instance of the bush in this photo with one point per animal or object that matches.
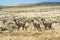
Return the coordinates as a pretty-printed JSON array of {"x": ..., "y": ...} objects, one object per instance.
[{"x": 3, "y": 28}]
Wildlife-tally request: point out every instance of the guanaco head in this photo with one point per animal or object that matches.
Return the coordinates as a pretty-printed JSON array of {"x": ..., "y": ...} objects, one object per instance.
[
  {"x": 32, "y": 20},
  {"x": 42, "y": 19},
  {"x": 15, "y": 20}
]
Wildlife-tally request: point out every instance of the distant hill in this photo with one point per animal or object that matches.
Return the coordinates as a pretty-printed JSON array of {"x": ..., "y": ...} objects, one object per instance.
[{"x": 31, "y": 5}]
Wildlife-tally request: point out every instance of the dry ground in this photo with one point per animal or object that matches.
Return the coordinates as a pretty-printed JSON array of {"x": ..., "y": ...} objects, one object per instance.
[
  {"x": 48, "y": 12},
  {"x": 53, "y": 34}
]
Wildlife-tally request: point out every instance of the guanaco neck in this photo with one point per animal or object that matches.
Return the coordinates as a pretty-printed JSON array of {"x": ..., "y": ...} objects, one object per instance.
[
  {"x": 43, "y": 22},
  {"x": 15, "y": 22}
]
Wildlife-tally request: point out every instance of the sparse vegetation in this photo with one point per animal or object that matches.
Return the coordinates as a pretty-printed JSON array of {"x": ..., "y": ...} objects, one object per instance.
[{"x": 25, "y": 14}]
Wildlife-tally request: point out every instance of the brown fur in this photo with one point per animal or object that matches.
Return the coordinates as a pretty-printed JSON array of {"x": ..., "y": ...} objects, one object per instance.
[
  {"x": 20, "y": 24},
  {"x": 36, "y": 25},
  {"x": 47, "y": 24}
]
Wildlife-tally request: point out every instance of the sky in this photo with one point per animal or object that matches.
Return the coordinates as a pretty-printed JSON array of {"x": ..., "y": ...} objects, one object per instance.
[{"x": 25, "y": 1}]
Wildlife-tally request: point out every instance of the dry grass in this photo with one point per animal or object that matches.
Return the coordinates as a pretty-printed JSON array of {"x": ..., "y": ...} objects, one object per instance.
[
  {"x": 46, "y": 12},
  {"x": 31, "y": 35}
]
